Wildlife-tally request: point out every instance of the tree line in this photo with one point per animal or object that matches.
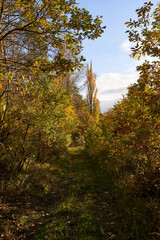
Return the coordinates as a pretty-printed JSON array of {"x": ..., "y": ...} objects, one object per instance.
[
  {"x": 42, "y": 110},
  {"x": 128, "y": 135}
]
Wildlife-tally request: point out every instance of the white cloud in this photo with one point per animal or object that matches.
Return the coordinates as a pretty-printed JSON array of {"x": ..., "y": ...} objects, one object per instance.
[
  {"x": 112, "y": 86},
  {"x": 126, "y": 46},
  {"x": 105, "y": 105}
]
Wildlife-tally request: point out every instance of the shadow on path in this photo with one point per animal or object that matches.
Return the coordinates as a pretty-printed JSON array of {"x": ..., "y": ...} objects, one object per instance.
[
  {"x": 86, "y": 211},
  {"x": 67, "y": 198}
]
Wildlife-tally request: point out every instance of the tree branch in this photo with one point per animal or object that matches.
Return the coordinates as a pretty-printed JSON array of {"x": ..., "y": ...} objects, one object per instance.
[{"x": 22, "y": 28}]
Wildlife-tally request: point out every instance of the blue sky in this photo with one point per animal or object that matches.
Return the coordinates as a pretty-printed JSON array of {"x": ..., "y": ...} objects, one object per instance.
[{"x": 109, "y": 54}]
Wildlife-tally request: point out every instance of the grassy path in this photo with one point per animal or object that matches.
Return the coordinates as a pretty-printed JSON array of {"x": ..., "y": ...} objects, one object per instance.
[
  {"x": 85, "y": 211},
  {"x": 73, "y": 198},
  {"x": 64, "y": 199}
]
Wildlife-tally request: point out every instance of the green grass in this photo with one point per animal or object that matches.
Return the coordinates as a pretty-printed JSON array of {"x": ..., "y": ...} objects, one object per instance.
[
  {"x": 74, "y": 197},
  {"x": 81, "y": 214}
]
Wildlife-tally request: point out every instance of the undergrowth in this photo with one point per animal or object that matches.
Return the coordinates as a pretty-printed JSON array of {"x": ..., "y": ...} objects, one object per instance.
[{"x": 75, "y": 197}]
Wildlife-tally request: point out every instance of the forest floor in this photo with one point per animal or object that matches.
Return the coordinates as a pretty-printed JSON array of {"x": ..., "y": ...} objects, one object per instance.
[{"x": 65, "y": 199}]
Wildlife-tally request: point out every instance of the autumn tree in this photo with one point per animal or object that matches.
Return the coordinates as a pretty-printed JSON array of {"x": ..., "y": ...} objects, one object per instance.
[
  {"x": 144, "y": 33},
  {"x": 37, "y": 114},
  {"x": 96, "y": 106},
  {"x": 130, "y": 131},
  {"x": 49, "y": 25},
  {"x": 92, "y": 101}
]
